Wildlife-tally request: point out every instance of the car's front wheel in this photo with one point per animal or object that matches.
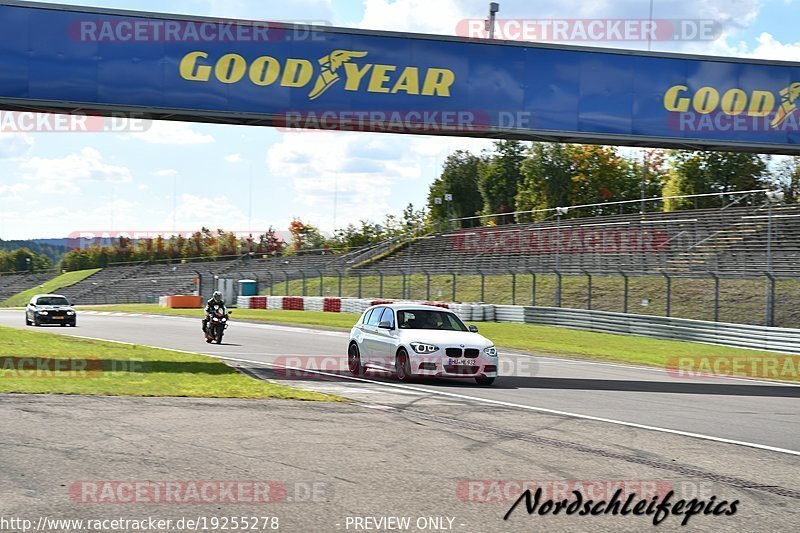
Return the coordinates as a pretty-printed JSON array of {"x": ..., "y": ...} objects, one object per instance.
[
  {"x": 483, "y": 380},
  {"x": 354, "y": 361},
  {"x": 403, "y": 366},
  {"x": 28, "y": 322}
]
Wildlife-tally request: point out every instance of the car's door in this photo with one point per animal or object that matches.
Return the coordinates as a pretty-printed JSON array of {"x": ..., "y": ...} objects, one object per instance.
[
  {"x": 370, "y": 329},
  {"x": 361, "y": 336},
  {"x": 383, "y": 354}
]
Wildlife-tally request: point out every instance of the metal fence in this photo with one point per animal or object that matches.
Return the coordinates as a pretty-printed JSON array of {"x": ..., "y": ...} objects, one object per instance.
[
  {"x": 737, "y": 335},
  {"x": 767, "y": 300}
]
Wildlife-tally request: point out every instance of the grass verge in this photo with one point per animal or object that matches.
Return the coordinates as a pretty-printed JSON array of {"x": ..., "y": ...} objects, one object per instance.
[
  {"x": 69, "y": 365},
  {"x": 50, "y": 286},
  {"x": 561, "y": 342}
]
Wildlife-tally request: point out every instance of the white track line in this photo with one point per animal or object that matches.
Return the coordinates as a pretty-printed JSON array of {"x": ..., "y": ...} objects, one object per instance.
[{"x": 481, "y": 400}]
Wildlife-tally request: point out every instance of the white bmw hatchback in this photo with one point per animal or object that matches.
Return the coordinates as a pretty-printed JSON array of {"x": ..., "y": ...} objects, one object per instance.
[{"x": 420, "y": 340}]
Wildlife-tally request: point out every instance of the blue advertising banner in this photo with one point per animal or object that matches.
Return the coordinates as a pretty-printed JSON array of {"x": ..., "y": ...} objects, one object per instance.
[{"x": 244, "y": 72}]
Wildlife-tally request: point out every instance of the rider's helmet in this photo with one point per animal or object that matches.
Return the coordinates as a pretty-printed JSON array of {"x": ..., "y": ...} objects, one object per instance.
[{"x": 217, "y": 296}]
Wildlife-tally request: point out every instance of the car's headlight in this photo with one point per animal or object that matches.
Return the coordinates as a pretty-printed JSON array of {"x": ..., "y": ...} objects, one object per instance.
[
  {"x": 42, "y": 312},
  {"x": 491, "y": 351},
  {"x": 70, "y": 313},
  {"x": 421, "y": 347}
]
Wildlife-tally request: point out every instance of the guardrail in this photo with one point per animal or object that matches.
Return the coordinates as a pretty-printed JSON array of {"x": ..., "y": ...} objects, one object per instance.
[
  {"x": 784, "y": 340},
  {"x": 677, "y": 329}
]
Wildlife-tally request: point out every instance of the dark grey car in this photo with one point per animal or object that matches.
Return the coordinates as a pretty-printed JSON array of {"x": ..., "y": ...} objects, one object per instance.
[{"x": 50, "y": 309}]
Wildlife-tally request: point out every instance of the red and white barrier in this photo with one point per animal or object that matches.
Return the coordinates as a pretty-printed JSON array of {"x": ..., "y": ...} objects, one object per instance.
[{"x": 472, "y": 312}]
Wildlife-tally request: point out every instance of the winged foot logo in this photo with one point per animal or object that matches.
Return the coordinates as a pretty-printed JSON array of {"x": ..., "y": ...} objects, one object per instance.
[{"x": 337, "y": 66}]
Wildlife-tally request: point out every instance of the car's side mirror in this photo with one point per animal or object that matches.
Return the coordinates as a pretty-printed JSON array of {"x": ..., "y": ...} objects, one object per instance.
[
  {"x": 230, "y": 312},
  {"x": 473, "y": 329},
  {"x": 385, "y": 325}
]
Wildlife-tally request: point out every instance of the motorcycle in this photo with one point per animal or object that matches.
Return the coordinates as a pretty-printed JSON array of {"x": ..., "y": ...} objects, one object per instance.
[{"x": 217, "y": 323}]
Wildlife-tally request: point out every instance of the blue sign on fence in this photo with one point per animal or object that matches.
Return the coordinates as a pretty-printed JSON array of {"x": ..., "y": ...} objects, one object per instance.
[{"x": 328, "y": 78}]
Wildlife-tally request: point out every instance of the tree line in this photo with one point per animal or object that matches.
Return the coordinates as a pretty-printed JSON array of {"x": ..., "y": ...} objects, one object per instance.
[
  {"x": 517, "y": 177},
  {"x": 206, "y": 244},
  {"x": 203, "y": 244},
  {"x": 23, "y": 260}
]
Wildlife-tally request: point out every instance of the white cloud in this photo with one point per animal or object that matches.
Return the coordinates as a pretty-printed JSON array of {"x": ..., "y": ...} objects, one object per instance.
[
  {"x": 64, "y": 175},
  {"x": 166, "y": 173},
  {"x": 234, "y": 158},
  {"x": 767, "y": 47},
  {"x": 169, "y": 132},
  {"x": 11, "y": 193},
  {"x": 15, "y": 145},
  {"x": 423, "y": 16},
  {"x": 194, "y": 211},
  {"x": 300, "y": 10},
  {"x": 365, "y": 171}
]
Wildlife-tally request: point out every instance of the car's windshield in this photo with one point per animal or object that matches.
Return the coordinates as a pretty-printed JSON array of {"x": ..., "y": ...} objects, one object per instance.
[
  {"x": 424, "y": 319},
  {"x": 52, "y": 300}
]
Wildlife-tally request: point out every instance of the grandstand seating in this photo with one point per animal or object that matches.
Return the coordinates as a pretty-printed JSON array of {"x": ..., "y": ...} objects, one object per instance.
[
  {"x": 730, "y": 240},
  {"x": 11, "y": 284},
  {"x": 145, "y": 282}
]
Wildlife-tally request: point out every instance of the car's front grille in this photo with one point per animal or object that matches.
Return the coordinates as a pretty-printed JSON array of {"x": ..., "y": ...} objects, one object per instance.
[
  {"x": 454, "y": 352},
  {"x": 461, "y": 369},
  {"x": 471, "y": 352}
]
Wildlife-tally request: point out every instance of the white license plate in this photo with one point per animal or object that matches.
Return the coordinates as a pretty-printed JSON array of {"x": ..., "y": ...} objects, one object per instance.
[{"x": 461, "y": 362}]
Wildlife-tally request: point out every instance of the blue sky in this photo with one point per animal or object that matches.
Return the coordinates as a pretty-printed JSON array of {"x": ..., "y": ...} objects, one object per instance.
[{"x": 129, "y": 181}]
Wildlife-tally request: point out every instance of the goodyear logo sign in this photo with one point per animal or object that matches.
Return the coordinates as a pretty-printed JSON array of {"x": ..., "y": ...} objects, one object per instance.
[
  {"x": 346, "y": 66},
  {"x": 735, "y": 102}
]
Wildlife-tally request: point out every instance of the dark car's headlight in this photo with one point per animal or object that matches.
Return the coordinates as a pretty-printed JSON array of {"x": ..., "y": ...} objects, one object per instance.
[
  {"x": 491, "y": 351},
  {"x": 70, "y": 313},
  {"x": 42, "y": 313},
  {"x": 421, "y": 347}
]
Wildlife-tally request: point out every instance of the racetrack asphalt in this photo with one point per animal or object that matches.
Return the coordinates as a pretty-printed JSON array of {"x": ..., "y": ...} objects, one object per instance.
[
  {"x": 749, "y": 411},
  {"x": 440, "y": 449}
]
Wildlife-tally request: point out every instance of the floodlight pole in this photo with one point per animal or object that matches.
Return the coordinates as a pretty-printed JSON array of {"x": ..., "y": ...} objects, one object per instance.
[{"x": 494, "y": 7}]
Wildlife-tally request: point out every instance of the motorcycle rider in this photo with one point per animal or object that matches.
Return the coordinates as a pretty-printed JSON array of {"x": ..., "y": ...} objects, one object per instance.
[{"x": 216, "y": 300}]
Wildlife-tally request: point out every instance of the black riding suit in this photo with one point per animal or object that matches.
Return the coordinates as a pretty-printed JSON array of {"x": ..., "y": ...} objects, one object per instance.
[{"x": 210, "y": 310}]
